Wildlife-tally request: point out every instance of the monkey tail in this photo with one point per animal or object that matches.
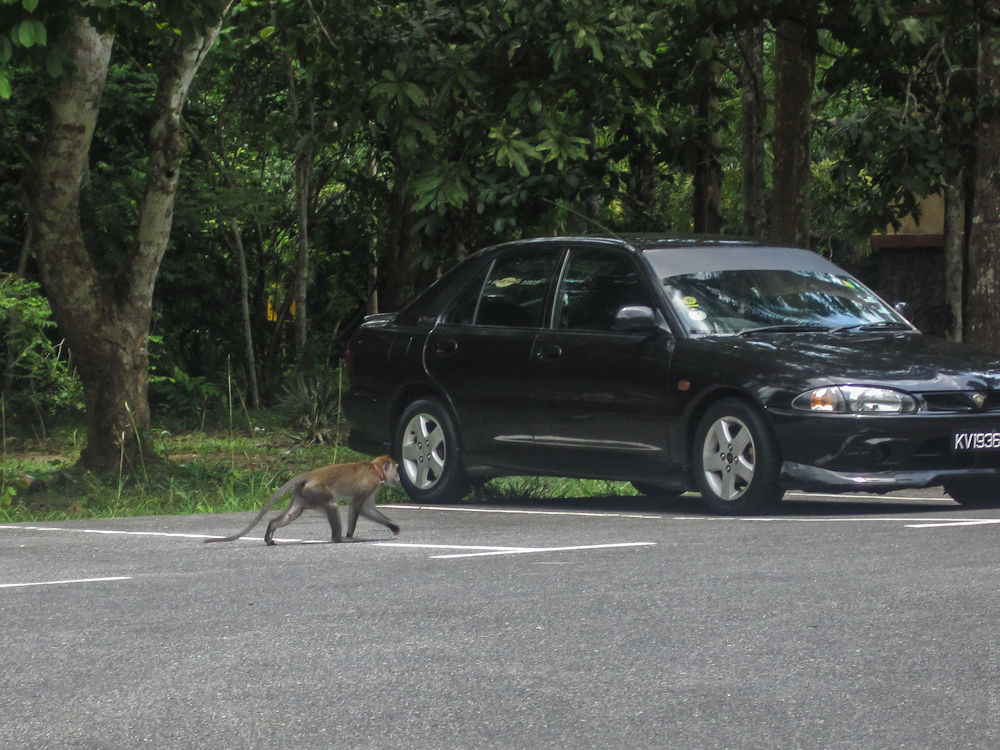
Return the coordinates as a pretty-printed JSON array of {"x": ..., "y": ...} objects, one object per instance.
[{"x": 270, "y": 504}]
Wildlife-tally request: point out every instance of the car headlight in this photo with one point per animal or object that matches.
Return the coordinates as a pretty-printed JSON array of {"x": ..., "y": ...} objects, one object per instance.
[{"x": 855, "y": 399}]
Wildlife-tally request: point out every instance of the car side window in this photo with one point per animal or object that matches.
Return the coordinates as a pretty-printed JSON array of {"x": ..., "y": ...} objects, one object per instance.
[
  {"x": 462, "y": 310},
  {"x": 514, "y": 294},
  {"x": 595, "y": 285}
]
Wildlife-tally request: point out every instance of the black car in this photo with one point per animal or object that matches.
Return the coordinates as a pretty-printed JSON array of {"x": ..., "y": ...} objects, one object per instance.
[{"x": 737, "y": 369}]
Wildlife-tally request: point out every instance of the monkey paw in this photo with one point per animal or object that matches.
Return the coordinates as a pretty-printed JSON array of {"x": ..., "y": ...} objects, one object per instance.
[{"x": 394, "y": 529}]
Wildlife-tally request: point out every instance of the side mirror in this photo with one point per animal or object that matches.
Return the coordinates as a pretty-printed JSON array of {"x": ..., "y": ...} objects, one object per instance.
[
  {"x": 903, "y": 309},
  {"x": 634, "y": 318}
]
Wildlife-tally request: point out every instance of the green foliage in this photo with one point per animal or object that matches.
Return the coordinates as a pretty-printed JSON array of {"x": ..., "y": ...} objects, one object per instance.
[
  {"x": 185, "y": 398},
  {"x": 311, "y": 403},
  {"x": 41, "y": 377}
]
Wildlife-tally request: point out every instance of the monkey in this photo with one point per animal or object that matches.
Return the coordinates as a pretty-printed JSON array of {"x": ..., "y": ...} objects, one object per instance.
[{"x": 322, "y": 488}]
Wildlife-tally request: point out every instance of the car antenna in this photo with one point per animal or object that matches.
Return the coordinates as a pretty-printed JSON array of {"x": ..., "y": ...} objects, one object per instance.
[{"x": 586, "y": 218}]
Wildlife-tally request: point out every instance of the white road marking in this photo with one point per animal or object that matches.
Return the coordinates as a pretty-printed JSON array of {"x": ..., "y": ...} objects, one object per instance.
[
  {"x": 512, "y": 511},
  {"x": 510, "y": 550},
  {"x": 970, "y": 522},
  {"x": 57, "y": 583}
]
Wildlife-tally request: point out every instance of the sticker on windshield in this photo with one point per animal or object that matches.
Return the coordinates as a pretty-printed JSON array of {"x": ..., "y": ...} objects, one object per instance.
[
  {"x": 697, "y": 314},
  {"x": 690, "y": 301},
  {"x": 501, "y": 283}
]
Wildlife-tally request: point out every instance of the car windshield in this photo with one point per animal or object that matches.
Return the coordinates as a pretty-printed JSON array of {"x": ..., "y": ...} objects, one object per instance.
[{"x": 742, "y": 301}]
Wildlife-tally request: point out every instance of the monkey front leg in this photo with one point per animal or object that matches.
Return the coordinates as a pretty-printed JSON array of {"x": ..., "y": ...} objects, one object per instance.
[{"x": 365, "y": 506}]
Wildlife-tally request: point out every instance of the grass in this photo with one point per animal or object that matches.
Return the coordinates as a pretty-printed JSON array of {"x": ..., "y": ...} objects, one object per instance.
[{"x": 206, "y": 471}]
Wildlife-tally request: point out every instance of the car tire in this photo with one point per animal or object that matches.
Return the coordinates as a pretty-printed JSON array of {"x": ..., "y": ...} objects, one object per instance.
[
  {"x": 974, "y": 493},
  {"x": 428, "y": 449},
  {"x": 652, "y": 490},
  {"x": 736, "y": 459}
]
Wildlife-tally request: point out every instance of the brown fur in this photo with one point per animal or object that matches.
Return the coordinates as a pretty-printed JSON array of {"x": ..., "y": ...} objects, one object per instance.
[{"x": 322, "y": 488}]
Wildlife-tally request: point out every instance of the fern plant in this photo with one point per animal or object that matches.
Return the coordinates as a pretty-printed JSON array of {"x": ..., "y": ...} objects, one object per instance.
[{"x": 311, "y": 402}]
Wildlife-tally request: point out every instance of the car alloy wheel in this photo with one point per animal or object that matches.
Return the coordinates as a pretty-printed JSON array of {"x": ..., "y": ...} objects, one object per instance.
[
  {"x": 427, "y": 448},
  {"x": 728, "y": 459},
  {"x": 736, "y": 458},
  {"x": 423, "y": 450}
]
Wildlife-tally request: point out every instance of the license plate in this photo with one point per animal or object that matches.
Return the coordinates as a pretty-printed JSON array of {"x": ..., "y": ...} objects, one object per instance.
[{"x": 975, "y": 441}]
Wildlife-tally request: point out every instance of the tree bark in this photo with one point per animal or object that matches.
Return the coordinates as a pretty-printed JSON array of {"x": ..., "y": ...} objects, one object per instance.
[
  {"x": 241, "y": 259},
  {"x": 981, "y": 325},
  {"x": 794, "y": 70},
  {"x": 708, "y": 172},
  {"x": 305, "y": 153},
  {"x": 954, "y": 258},
  {"x": 754, "y": 108},
  {"x": 105, "y": 317},
  {"x": 397, "y": 263}
]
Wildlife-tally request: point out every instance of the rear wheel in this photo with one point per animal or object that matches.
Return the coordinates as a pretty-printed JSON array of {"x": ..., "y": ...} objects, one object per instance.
[
  {"x": 975, "y": 493},
  {"x": 736, "y": 459},
  {"x": 427, "y": 447}
]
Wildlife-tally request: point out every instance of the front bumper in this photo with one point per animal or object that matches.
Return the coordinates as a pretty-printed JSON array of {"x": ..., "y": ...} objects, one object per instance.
[
  {"x": 814, "y": 479},
  {"x": 867, "y": 453}
]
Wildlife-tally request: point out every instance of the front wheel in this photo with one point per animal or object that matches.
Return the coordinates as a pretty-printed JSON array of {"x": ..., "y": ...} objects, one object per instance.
[
  {"x": 426, "y": 446},
  {"x": 974, "y": 493},
  {"x": 736, "y": 459}
]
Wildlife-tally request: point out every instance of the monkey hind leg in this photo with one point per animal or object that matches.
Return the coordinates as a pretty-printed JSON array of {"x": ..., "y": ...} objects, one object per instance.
[
  {"x": 333, "y": 516},
  {"x": 294, "y": 511}
]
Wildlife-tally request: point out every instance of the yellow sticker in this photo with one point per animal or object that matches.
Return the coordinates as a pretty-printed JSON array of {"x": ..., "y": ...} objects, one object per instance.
[
  {"x": 501, "y": 283},
  {"x": 690, "y": 301}
]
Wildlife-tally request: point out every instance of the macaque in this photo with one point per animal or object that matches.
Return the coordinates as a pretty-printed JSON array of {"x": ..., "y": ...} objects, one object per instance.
[{"x": 322, "y": 488}]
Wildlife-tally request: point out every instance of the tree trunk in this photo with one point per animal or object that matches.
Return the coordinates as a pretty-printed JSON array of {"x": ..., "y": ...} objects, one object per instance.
[
  {"x": 306, "y": 151},
  {"x": 708, "y": 172},
  {"x": 794, "y": 69},
  {"x": 754, "y": 107},
  {"x": 105, "y": 317},
  {"x": 981, "y": 325},
  {"x": 241, "y": 259},
  {"x": 397, "y": 263},
  {"x": 954, "y": 258}
]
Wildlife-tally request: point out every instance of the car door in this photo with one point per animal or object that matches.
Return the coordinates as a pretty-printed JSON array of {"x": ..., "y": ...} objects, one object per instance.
[
  {"x": 480, "y": 354},
  {"x": 601, "y": 395}
]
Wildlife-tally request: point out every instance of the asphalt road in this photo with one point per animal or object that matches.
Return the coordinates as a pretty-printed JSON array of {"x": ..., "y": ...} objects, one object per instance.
[{"x": 598, "y": 623}]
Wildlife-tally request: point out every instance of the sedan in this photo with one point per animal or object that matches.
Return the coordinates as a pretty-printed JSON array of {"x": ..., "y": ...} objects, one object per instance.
[{"x": 733, "y": 368}]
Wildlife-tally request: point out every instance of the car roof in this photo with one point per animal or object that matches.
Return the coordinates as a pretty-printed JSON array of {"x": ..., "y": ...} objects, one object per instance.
[{"x": 676, "y": 255}]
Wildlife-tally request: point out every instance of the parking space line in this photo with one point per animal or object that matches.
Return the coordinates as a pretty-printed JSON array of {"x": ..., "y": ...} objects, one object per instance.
[
  {"x": 510, "y": 550},
  {"x": 970, "y": 522},
  {"x": 57, "y": 583},
  {"x": 515, "y": 511}
]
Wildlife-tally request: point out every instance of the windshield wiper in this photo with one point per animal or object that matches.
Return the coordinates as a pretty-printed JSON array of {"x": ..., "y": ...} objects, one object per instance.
[
  {"x": 785, "y": 328},
  {"x": 883, "y": 326}
]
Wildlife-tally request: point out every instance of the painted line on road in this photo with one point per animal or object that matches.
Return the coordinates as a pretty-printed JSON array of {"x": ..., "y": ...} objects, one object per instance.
[
  {"x": 59, "y": 583},
  {"x": 971, "y": 522},
  {"x": 490, "y": 551},
  {"x": 110, "y": 532},
  {"x": 511, "y": 511}
]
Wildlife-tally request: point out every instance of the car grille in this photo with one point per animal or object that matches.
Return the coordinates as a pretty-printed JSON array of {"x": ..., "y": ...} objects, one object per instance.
[
  {"x": 960, "y": 401},
  {"x": 935, "y": 454}
]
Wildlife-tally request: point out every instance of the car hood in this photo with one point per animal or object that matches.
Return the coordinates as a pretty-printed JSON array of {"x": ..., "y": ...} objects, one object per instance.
[{"x": 769, "y": 363}]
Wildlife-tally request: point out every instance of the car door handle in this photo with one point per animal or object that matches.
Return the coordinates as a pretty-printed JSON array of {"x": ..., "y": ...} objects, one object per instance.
[
  {"x": 549, "y": 352},
  {"x": 445, "y": 347}
]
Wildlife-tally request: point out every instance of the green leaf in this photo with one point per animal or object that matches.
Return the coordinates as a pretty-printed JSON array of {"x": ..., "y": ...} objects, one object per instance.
[
  {"x": 266, "y": 32},
  {"x": 5, "y": 90},
  {"x": 53, "y": 64},
  {"x": 41, "y": 36},
  {"x": 416, "y": 94},
  {"x": 29, "y": 5},
  {"x": 6, "y": 49},
  {"x": 25, "y": 33}
]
